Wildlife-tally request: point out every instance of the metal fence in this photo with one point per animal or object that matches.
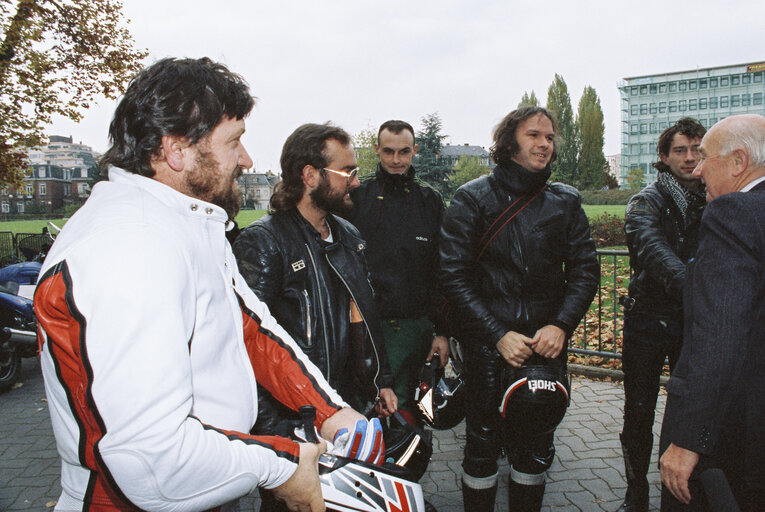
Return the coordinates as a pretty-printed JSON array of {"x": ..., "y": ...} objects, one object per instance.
[
  {"x": 600, "y": 333},
  {"x": 22, "y": 246}
]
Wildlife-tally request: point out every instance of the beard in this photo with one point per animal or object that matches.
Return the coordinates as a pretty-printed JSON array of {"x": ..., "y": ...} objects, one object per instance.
[
  {"x": 331, "y": 202},
  {"x": 208, "y": 182}
]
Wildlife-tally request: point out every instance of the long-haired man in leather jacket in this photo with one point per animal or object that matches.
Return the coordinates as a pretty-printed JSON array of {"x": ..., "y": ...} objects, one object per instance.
[{"x": 516, "y": 300}]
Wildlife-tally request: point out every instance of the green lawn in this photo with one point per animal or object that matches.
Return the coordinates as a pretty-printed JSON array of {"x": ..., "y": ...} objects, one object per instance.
[
  {"x": 596, "y": 210},
  {"x": 244, "y": 219}
]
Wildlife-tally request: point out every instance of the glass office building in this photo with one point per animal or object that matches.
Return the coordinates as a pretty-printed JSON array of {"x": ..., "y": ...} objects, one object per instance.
[{"x": 653, "y": 102}]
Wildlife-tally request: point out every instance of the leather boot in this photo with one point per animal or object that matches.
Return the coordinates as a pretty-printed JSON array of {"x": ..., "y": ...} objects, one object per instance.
[
  {"x": 637, "y": 457},
  {"x": 478, "y": 500},
  {"x": 525, "y": 498}
]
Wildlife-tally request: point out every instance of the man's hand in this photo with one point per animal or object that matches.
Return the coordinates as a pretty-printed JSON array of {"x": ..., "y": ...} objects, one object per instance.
[
  {"x": 439, "y": 346},
  {"x": 549, "y": 340},
  {"x": 515, "y": 348},
  {"x": 302, "y": 492},
  {"x": 676, "y": 467},
  {"x": 354, "y": 436},
  {"x": 388, "y": 403}
]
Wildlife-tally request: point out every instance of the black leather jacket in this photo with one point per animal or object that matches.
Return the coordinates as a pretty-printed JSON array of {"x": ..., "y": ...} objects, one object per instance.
[
  {"x": 541, "y": 269},
  {"x": 289, "y": 267},
  {"x": 660, "y": 245},
  {"x": 400, "y": 219}
]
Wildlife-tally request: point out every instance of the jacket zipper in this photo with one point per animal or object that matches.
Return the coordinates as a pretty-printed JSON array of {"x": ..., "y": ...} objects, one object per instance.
[
  {"x": 318, "y": 291},
  {"x": 366, "y": 326},
  {"x": 307, "y": 317}
]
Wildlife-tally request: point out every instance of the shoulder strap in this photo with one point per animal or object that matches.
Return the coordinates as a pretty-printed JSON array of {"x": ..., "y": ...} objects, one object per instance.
[{"x": 504, "y": 218}]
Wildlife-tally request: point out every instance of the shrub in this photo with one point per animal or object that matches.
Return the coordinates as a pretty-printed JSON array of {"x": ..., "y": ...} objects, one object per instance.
[{"x": 608, "y": 230}]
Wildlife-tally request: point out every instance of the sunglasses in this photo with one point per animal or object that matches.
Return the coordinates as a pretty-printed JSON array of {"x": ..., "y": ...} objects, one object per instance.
[{"x": 348, "y": 175}]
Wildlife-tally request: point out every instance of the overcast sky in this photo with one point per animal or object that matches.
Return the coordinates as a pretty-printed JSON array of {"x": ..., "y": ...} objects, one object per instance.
[{"x": 359, "y": 63}]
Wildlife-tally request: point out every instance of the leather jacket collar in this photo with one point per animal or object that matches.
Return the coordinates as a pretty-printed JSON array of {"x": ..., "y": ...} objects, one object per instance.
[{"x": 520, "y": 180}]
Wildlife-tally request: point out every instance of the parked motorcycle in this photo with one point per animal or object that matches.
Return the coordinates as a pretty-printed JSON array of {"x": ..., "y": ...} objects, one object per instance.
[
  {"x": 18, "y": 325},
  {"x": 18, "y": 334}
]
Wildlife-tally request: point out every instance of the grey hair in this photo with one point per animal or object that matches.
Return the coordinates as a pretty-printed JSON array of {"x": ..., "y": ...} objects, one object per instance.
[{"x": 745, "y": 132}]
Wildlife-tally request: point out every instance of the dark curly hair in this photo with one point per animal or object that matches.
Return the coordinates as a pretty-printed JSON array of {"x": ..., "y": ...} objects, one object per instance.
[
  {"x": 687, "y": 126},
  {"x": 505, "y": 145},
  {"x": 186, "y": 97},
  {"x": 305, "y": 146}
]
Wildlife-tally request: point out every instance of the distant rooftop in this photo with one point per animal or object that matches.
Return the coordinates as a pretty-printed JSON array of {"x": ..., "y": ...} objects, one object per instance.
[{"x": 458, "y": 150}]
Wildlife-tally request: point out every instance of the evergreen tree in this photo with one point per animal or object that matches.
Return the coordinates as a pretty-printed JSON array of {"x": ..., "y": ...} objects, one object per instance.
[
  {"x": 431, "y": 168},
  {"x": 529, "y": 100},
  {"x": 592, "y": 164},
  {"x": 558, "y": 101}
]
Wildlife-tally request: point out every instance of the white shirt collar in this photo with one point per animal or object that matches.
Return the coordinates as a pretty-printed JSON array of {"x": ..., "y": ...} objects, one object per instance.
[{"x": 749, "y": 186}]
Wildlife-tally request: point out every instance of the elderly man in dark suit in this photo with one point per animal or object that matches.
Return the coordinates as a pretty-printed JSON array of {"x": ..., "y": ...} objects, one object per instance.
[{"x": 715, "y": 416}]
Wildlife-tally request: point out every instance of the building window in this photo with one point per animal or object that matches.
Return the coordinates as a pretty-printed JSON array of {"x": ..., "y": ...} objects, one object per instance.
[
  {"x": 652, "y": 89},
  {"x": 43, "y": 189},
  {"x": 635, "y": 149},
  {"x": 692, "y": 84},
  {"x": 724, "y": 81},
  {"x": 703, "y": 104},
  {"x": 745, "y": 100},
  {"x": 634, "y": 129},
  {"x": 653, "y": 108},
  {"x": 681, "y": 106},
  {"x": 662, "y": 107},
  {"x": 723, "y": 102},
  {"x": 703, "y": 83},
  {"x": 634, "y": 91},
  {"x": 712, "y": 121},
  {"x": 30, "y": 189},
  {"x": 673, "y": 106},
  {"x": 758, "y": 78},
  {"x": 652, "y": 127},
  {"x": 683, "y": 85},
  {"x": 634, "y": 110},
  {"x": 643, "y": 128},
  {"x": 672, "y": 86},
  {"x": 713, "y": 102},
  {"x": 712, "y": 82},
  {"x": 704, "y": 123},
  {"x": 691, "y": 104},
  {"x": 757, "y": 98},
  {"x": 735, "y": 80},
  {"x": 662, "y": 126},
  {"x": 643, "y": 90},
  {"x": 735, "y": 100},
  {"x": 662, "y": 88},
  {"x": 82, "y": 188},
  {"x": 643, "y": 109},
  {"x": 6, "y": 208},
  {"x": 41, "y": 172},
  {"x": 20, "y": 207},
  {"x": 747, "y": 78}
]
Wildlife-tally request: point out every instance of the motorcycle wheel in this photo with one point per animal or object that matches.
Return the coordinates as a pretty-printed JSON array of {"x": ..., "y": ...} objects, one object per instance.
[{"x": 10, "y": 368}]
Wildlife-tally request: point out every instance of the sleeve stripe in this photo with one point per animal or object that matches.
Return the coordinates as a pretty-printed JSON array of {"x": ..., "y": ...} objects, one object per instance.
[
  {"x": 62, "y": 329},
  {"x": 281, "y": 446}
]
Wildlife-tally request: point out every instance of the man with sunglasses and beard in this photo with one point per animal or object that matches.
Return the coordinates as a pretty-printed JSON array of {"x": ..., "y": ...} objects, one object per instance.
[{"x": 307, "y": 264}]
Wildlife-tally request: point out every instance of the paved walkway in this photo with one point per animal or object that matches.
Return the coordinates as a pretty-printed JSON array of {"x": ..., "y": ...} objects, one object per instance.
[{"x": 587, "y": 474}]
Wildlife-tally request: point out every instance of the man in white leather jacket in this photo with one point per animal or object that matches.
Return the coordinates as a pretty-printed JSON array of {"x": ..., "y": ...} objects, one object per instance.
[{"x": 151, "y": 341}]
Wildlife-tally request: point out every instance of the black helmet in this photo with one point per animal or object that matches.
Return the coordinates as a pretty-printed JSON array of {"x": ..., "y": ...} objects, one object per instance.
[
  {"x": 440, "y": 394},
  {"x": 535, "y": 399},
  {"x": 407, "y": 446}
]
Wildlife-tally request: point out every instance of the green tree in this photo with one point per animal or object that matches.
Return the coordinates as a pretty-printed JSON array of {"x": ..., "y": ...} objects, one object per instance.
[
  {"x": 529, "y": 100},
  {"x": 467, "y": 168},
  {"x": 56, "y": 58},
  {"x": 564, "y": 169},
  {"x": 364, "y": 145},
  {"x": 431, "y": 168},
  {"x": 591, "y": 164},
  {"x": 634, "y": 179}
]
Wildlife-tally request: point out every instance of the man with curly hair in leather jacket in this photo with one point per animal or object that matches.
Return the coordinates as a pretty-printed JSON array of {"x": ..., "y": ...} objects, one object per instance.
[
  {"x": 516, "y": 299},
  {"x": 662, "y": 225}
]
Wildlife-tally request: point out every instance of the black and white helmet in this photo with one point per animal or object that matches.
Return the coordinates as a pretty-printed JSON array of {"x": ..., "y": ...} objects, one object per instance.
[
  {"x": 440, "y": 394},
  {"x": 535, "y": 399}
]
